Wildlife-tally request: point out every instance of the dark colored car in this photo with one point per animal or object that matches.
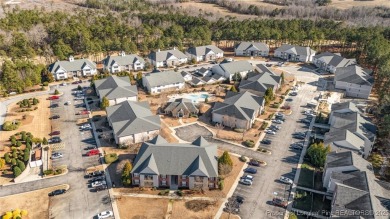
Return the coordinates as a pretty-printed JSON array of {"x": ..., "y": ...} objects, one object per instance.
[
  {"x": 54, "y": 140},
  {"x": 57, "y": 192},
  {"x": 99, "y": 178},
  {"x": 100, "y": 188},
  {"x": 90, "y": 102},
  {"x": 266, "y": 141},
  {"x": 96, "y": 173},
  {"x": 240, "y": 199},
  {"x": 279, "y": 202},
  {"x": 55, "y": 117},
  {"x": 75, "y": 82},
  {"x": 90, "y": 147},
  {"x": 55, "y": 133},
  {"x": 250, "y": 170},
  {"x": 54, "y": 105},
  {"x": 299, "y": 136},
  {"x": 254, "y": 163},
  {"x": 99, "y": 130}
]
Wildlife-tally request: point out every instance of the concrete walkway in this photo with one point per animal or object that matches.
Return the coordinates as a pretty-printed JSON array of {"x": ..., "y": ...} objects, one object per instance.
[{"x": 313, "y": 191}]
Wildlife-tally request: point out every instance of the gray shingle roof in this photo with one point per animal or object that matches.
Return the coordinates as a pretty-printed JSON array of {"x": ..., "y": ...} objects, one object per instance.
[
  {"x": 336, "y": 135},
  {"x": 347, "y": 158},
  {"x": 297, "y": 50},
  {"x": 114, "y": 87},
  {"x": 164, "y": 78},
  {"x": 68, "y": 66},
  {"x": 182, "y": 104},
  {"x": 258, "y": 45},
  {"x": 335, "y": 59},
  {"x": 196, "y": 159},
  {"x": 263, "y": 69},
  {"x": 122, "y": 60},
  {"x": 260, "y": 82},
  {"x": 355, "y": 123},
  {"x": 346, "y": 105},
  {"x": 239, "y": 105},
  {"x": 235, "y": 67},
  {"x": 354, "y": 74},
  {"x": 131, "y": 117},
  {"x": 203, "y": 50},
  {"x": 166, "y": 54}
]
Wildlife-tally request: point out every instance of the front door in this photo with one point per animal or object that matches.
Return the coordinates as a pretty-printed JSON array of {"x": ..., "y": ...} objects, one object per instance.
[{"x": 174, "y": 182}]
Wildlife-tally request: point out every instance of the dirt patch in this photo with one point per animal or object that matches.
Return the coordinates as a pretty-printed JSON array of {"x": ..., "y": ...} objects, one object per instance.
[
  {"x": 227, "y": 216},
  {"x": 199, "y": 209},
  {"x": 38, "y": 208},
  {"x": 172, "y": 122},
  {"x": 166, "y": 133},
  {"x": 189, "y": 120},
  {"x": 28, "y": 119},
  {"x": 144, "y": 208}
]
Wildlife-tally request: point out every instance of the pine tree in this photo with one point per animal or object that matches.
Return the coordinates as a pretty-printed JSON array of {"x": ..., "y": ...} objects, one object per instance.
[{"x": 105, "y": 103}]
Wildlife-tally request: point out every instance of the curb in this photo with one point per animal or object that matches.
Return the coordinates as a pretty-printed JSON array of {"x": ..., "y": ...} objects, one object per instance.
[{"x": 67, "y": 187}]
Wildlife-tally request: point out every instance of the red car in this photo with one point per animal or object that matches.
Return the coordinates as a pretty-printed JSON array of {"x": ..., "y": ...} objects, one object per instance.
[
  {"x": 280, "y": 202},
  {"x": 75, "y": 82},
  {"x": 93, "y": 152},
  {"x": 55, "y": 133},
  {"x": 53, "y": 98},
  {"x": 84, "y": 112}
]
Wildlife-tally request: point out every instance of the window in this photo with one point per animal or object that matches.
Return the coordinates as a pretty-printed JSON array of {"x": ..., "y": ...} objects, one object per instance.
[
  {"x": 183, "y": 177},
  {"x": 163, "y": 176},
  {"x": 148, "y": 177},
  {"x": 136, "y": 181},
  {"x": 136, "y": 174},
  {"x": 184, "y": 183}
]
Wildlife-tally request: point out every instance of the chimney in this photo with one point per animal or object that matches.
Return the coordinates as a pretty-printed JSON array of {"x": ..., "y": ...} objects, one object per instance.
[
  {"x": 71, "y": 58},
  {"x": 158, "y": 50},
  {"x": 123, "y": 53}
]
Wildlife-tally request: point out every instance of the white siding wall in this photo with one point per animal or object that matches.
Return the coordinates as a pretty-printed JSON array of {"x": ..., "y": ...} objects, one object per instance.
[
  {"x": 137, "y": 138},
  {"x": 328, "y": 173},
  {"x": 354, "y": 90},
  {"x": 157, "y": 90}
]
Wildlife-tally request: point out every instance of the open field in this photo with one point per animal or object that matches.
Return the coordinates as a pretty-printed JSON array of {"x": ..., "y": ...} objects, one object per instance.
[
  {"x": 180, "y": 210},
  {"x": 36, "y": 202},
  {"x": 142, "y": 207},
  {"x": 345, "y": 4}
]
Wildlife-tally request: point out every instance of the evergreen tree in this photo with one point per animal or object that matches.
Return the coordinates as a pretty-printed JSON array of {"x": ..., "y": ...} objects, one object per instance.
[
  {"x": 105, "y": 103},
  {"x": 126, "y": 173}
]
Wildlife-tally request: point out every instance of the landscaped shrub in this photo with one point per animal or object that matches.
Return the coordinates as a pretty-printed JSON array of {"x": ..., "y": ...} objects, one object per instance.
[
  {"x": 249, "y": 143},
  {"x": 48, "y": 172},
  {"x": 164, "y": 192},
  {"x": 21, "y": 165},
  {"x": 9, "y": 126},
  {"x": 179, "y": 193},
  {"x": 7, "y": 158},
  {"x": 17, "y": 171},
  {"x": 221, "y": 184},
  {"x": 13, "y": 161},
  {"x": 57, "y": 171},
  {"x": 26, "y": 155},
  {"x": 56, "y": 92},
  {"x": 110, "y": 158},
  {"x": 264, "y": 126},
  {"x": 36, "y": 140},
  {"x": 243, "y": 158},
  {"x": 45, "y": 84},
  {"x": 126, "y": 173},
  {"x": 35, "y": 101},
  {"x": 239, "y": 130},
  {"x": 18, "y": 144}
]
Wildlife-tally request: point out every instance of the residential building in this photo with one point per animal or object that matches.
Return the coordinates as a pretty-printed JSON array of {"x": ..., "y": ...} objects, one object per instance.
[
  {"x": 230, "y": 69},
  {"x": 186, "y": 76},
  {"x": 349, "y": 130},
  {"x": 261, "y": 68},
  {"x": 209, "y": 80},
  {"x": 158, "y": 82},
  {"x": 181, "y": 108},
  {"x": 197, "y": 82},
  {"x": 295, "y": 53},
  {"x": 238, "y": 110},
  {"x": 123, "y": 62},
  {"x": 72, "y": 68},
  {"x": 168, "y": 58},
  {"x": 204, "y": 53},
  {"x": 258, "y": 83},
  {"x": 132, "y": 122},
  {"x": 328, "y": 61},
  {"x": 116, "y": 89},
  {"x": 203, "y": 72},
  {"x": 251, "y": 49},
  {"x": 173, "y": 165},
  {"x": 356, "y": 81}
]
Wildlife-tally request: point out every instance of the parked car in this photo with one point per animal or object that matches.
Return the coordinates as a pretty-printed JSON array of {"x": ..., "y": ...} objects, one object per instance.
[
  {"x": 275, "y": 127},
  {"x": 90, "y": 102},
  {"x": 53, "y": 98},
  {"x": 99, "y": 130},
  {"x": 54, "y": 105},
  {"x": 92, "y": 152},
  {"x": 299, "y": 144},
  {"x": 105, "y": 214},
  {"x": 250, "y": 170},
  {"x": 306, "y": 121},
  {"x": 268, "y": 65},
  {"x": 54, "y": 140},
  {"x": 277, "y": 121},
  {"x": 246, "y": 182},
  {"x": 286, "y": 180},
  {"x": 249, "y": 177},
  {"x": 254, "y": 163},
  {"x": 55, "y": 133},
  {"x": 269, "y": 129},
  {"x": 270, "y": 132},
  {"x": 99, "y": 178},
  {"x": 95, "y": 173},
  {"x": 266, "y": 141},
  {"x": 293, "y": 94},
  {"x": 85, "y": 126},
  {"x": 79, "y": 98},
  {"x": 68, "y": 103},
  {"x": 55, "y": 117},
  {"x": 98, "y": 183},
  {"x": 289, "y": 99},
  {"x": 299, "y": 136},
  {"x": 57, "y": 192},
  {"x": 56, "y": 155},
  {"x": 90, "y": 147},
  {"x": 100, "y": 188},
  {"x": 75, "y": 82},
  {"x": 296, "y": 147},
  {"x": 279, "y": 202},
  {"x": 64, "y": 84}
]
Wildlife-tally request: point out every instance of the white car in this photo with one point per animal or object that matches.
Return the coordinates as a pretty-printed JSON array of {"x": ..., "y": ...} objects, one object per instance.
[
  {"x": 270, "y": 132},
  {"x": 56, "y": 155},
  {"x": 68, "y": 103},
  {"x": 79, "y": 98},
  {"x": 98, "y": 183},
  {"x": 246, "y": 182},
  {"x": 277, "y": 121},
  {"x": 248, "y": 177},
  {"x": 105, "y": 214},
  {"x": 86, "y": 126},
  {"x": 286, "y": 180}
]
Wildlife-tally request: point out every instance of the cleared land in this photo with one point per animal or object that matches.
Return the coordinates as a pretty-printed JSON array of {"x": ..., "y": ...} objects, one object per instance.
[
  {"x": 38, "y": 208},
  {"x": 142, "y": 207},
  {"x": 180, "y": 209}
]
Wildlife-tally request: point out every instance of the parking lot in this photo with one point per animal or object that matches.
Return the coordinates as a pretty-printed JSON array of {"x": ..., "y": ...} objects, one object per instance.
[
  {"x": 81, "y": 201},
  {"x": 283, "y": 161}
]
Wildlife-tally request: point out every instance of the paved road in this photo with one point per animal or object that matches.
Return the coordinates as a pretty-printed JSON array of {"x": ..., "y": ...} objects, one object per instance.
[{"x": 80, "y": 201}]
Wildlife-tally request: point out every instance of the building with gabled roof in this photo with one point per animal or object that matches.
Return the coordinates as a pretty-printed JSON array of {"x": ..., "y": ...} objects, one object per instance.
[
  {"x": 238, "y": 110},
  {"x": 258, "y": 83},
  {"x": 167, "y": 58},
  {"x": 204, "y": 53},
  {"x": 123, "y": 62},
  {"x": 173, "y": 165},
  {"x": 356, "y": 81},
  {"x": 229, "y": 69},
  {"x": 72, "y": 68},
  {"x": 251, "y": 49},
  {"x": 295, "y": 53},
  {"x": 181, "y": 108},
  {"x": 328, "y": 61},
  {"x": 158, "y": 82},
  {"x": 116, "y": 89},
  {"x": 132, "y": 122}
]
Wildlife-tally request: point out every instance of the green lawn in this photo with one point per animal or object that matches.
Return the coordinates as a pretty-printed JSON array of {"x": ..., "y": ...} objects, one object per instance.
[
  {"x": 302, "y": 200},
  {"x": 320, "y": 204},
  {"x": 306, "y": 176}
]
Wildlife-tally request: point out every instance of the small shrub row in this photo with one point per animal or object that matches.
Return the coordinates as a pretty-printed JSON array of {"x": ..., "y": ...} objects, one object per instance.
[
  {"x": 164, "y": 192},
  {"x": 10, "y": 126},
  {"x": 110, "y": 158},
  {"x": 249, "y": 143}
]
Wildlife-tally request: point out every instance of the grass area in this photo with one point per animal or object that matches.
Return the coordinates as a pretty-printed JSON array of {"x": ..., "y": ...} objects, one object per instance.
[
  {"x": 302, "y": 200},
  {"x": 142, "y": 207},
  {"x": 321, "y": 205},
  {"x": 306, "y": 176},
  {"x": 182, "y": 209}
]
